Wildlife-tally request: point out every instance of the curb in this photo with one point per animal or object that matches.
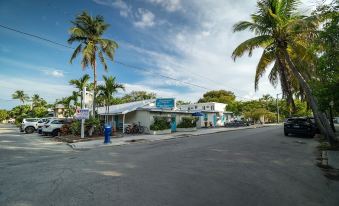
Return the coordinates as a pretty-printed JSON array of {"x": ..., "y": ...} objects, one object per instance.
[{"x": 126, "y": 142}]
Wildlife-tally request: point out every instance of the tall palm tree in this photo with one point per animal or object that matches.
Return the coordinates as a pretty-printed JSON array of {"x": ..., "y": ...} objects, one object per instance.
[
  {"x": 80, "y": 84},
  {"x": 107, "y": 90},
  {"x": 21, "y": 96},
  {"x": 285, "y": 37},
  {"x": 88, "y": 32},
  {"x": 35, "y": 100}
]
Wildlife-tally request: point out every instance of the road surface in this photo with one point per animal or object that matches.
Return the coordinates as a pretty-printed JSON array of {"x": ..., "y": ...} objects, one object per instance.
[{"x": 247, "y": 167}]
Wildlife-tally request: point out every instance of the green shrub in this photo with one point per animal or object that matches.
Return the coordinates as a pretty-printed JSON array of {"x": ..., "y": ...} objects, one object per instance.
[
  {"x": 188, "y": 122},
  {"x": 75, "y": 128},
  {"x": 160, "y": 123}
]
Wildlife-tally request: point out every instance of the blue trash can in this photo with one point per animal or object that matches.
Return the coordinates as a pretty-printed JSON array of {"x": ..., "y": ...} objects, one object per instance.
[{"x": 107, "y": 133}]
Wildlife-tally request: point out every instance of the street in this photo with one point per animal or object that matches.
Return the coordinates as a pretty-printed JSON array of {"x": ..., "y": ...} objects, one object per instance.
[{"x": 246, "y": 167}]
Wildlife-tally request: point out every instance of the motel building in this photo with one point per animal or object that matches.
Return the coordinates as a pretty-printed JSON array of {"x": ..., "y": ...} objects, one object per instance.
[
  {"x": 214, "y": 114},
  {"x": 143, "y": 112}
]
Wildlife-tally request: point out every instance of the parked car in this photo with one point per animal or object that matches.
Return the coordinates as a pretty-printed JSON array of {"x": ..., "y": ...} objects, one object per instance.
[
  {"x": 300, "y": 126},
  {"x": 53, "y": 126},
  {"x": 29, "y": 125},
  {"x": 42, "y": 122}
]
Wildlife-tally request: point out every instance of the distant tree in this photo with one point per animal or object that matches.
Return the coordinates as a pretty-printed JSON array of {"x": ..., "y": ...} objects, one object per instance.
[
  {"x": 182, "y": 102},
  {"x": 4, "y": 114},
  {"x": 21, "y": 96},
  {"x": 138, "y": 96},
  {"x": 39, "y": 111},
  {"x": 37, "y": 101},
  {"x": 222, "y": 96},
  {"x": 88, "y": 31}
]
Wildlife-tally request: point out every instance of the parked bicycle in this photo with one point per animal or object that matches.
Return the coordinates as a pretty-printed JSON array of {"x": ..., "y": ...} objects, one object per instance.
[{"x": 135, "y": 129}]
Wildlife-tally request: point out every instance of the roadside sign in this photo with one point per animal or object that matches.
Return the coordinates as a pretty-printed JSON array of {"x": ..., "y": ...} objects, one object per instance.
[
  {"x": 165, "y": 103},
  {"x": 82, "y": 114}
]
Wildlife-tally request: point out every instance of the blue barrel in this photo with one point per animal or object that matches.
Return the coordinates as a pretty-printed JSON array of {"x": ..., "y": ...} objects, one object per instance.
[{"x": 108, "y": 130}]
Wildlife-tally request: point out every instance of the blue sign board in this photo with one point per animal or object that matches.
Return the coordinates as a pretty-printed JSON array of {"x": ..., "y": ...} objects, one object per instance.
[{"x": 166, "y": 103}]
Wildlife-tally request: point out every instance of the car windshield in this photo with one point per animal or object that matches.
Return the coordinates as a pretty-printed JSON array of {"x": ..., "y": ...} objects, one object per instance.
[{"x": 31, "y": 120}]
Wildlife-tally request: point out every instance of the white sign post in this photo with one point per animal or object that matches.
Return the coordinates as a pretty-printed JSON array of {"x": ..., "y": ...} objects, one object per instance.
[{"x": 83, "y": 113}]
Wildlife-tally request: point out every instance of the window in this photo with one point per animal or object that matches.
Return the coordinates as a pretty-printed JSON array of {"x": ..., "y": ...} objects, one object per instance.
[
  {"x": 207, "y": 106},
  {"x": 212, "y": 107},
  {"x": 203, "y": 107},
  {"x": 196, "y": 107}
]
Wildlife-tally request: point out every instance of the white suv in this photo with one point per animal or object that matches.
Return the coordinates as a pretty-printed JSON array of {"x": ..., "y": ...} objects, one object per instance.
[
  {"x": 29, "y": 125},
  {"x": 53, "y": 127}
]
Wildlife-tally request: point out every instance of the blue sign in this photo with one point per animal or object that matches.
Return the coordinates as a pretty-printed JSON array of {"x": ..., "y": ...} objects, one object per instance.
[{"x": 167, "y": 103}]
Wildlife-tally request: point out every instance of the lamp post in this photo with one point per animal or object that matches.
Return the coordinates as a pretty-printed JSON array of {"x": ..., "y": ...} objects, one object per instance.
[{"x": 278, "y": 107}]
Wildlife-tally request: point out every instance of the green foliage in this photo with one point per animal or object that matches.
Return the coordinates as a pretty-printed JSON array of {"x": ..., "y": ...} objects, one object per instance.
[
  {"x": 75, "y": 127},
  {"x": 39, "y": 111},
  {"x": 181, "y": 102},
  {"x": 222, "y": 96},
  {"x": 160, "y": 123},
  {"x": 4, "y": 114},
  {"x": 259, "y": 114},
  {"x": 138, "y": 96},
  {"x": 326, "y": 85},
  {"x": 20, "y": 112},
  {"x": 188, "y": 122},
  {"x": 21, "y": 96}
]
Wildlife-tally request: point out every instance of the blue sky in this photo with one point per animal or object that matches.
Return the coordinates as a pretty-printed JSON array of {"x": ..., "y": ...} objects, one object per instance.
[{"x": 189, "y": 40}]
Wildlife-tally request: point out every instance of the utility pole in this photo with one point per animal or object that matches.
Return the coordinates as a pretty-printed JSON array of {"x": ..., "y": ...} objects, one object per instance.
[{"x": 83, "y": 106}]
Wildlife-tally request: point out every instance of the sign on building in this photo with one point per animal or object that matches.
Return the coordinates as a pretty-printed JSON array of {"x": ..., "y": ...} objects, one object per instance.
[
  {"x": 82, "y": 114},
  {"x": 165, "y": 103}
]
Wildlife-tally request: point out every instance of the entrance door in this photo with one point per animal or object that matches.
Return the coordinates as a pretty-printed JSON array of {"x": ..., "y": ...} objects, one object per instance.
[{"x": 173, "y": 124}]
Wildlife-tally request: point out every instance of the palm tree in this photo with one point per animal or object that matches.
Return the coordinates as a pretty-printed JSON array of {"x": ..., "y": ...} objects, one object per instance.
[
  {"x": 285, "y": 37},
  {"x": 107, "y": 90},
  {"x": 35, "y": 100},
  {"x": 88, "y": 31},
  {"x": 21, "y": 96},
  {"x": 80, "y": 84}
]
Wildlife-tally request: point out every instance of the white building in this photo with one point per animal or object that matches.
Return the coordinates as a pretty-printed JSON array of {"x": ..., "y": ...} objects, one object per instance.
[
  {"x": 214, "y": 113},
  {"x": 143, "y": 112}
]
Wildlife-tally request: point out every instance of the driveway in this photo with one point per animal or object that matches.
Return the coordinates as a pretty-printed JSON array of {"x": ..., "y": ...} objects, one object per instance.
[{"x": 246, "y": 167}]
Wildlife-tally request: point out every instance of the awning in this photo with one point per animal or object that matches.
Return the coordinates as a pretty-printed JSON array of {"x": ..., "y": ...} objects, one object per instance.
[{"x": 197, "y": 114}]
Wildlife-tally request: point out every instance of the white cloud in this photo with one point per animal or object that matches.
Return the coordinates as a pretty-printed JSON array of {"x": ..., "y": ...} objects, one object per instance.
[
  {"x": 169, "y": 5},
  {"x": 145, "y": 18},
  {"x": 203, "y": 53},
  {"x": 125, "y": 9},
  {"x": 46, "y": 89},
  {"x": 53, "y": 72},
  {"x": 46, "y": 70}
]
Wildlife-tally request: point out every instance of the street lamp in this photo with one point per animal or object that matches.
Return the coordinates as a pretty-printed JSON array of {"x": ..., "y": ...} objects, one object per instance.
[{"x": 278, "y": 108}]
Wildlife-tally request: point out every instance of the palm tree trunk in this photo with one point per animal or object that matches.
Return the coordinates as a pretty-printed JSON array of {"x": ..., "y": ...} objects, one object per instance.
[
  {"x": 284, "y": 81},
  {"x": 94, "y": 86},
  {"x": 321, "y": 119},
  {"x": 81, "y": 98}
]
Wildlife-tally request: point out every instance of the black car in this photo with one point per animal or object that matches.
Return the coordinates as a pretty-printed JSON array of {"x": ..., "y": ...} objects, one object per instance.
[{"x": 300, "y": 126}]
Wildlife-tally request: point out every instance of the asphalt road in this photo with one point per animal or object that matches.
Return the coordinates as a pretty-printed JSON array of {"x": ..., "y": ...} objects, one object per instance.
[{"x": 247, "y": 167}]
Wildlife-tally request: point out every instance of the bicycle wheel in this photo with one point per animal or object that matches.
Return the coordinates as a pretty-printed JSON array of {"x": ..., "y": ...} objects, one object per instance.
[{"x": 141, "y": 129}]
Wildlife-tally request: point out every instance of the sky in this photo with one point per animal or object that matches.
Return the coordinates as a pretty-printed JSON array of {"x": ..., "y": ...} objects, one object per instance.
[{"x": 189, "y": 40}]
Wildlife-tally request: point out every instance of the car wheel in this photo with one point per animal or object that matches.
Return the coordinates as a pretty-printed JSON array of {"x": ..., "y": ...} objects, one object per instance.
[
  {"x": 55, "y": 132},
  {"x": 29, "y": 130},
  {"x": 286, "y": 133}
]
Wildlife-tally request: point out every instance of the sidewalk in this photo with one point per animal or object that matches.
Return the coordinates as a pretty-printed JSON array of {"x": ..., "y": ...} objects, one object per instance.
[{"x": 150, "y": 138}]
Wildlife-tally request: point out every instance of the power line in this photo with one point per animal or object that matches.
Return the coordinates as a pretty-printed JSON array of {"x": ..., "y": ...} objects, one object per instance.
[{"x": 118, "y": 62}]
